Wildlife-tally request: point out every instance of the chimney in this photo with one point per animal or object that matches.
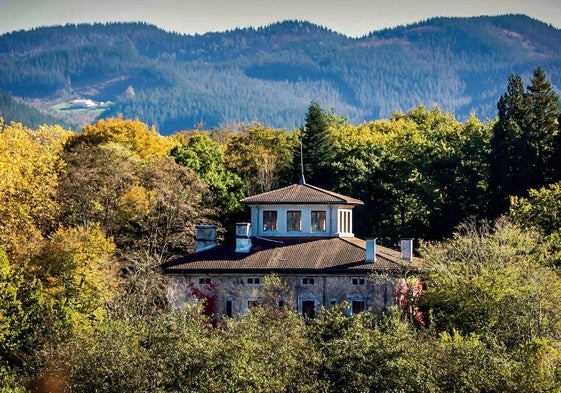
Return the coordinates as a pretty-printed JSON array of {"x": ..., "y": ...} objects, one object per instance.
[
  {"x": 407, "y": 249},
  {"x": 371, "y": 250},
  {"x": 243, "y": 241},
  {"x": 205, "y": 237}
]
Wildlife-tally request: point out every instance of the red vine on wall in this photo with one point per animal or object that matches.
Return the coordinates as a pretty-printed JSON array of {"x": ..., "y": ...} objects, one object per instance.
[
  {"x": 208, "y": 295},
  {"x": 408, "y": 298}
]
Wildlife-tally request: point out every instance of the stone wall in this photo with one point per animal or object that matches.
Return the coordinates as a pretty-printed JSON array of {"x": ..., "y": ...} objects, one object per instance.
[{"x": 235, "y": 293}]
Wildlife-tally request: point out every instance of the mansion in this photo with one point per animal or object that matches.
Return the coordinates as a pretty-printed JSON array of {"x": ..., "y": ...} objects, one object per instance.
[{"x": 303, "y": 234}]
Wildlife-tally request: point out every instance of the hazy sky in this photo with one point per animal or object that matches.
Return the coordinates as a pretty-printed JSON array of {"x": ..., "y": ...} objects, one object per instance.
[{"x": 350, "y": 17}]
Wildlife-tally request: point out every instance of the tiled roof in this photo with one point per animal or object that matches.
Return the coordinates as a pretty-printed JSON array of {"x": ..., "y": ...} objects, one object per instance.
[
  {"x": 301, "y": 193},
  {"x": 290, "y": 254}
]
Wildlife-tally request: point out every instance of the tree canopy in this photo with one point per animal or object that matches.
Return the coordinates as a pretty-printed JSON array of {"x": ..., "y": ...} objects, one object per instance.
[{"x": 86, "y": 220}]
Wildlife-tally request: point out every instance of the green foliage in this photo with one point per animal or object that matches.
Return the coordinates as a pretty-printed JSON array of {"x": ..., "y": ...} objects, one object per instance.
[
  {"x": 525, "y": 146},
  {"x": 264, "y": 351},
  {"x": 466, "y": 364},
  {"x": 362, "y": 353},
  {"x": 23, "y": 329},
  {"x": 273, "y": 350},
  {"x": 261, "y": 157},
  {"x": 267, "y": 351},
  {"x": 491, "y": 281},
  {"x": 540, "y": 211},
  {"x": 116, "y": 356},
  {"x": 317, "y": 141},
  {"x": 206, "y": 158},
  {"x": 420, "y": 173},
  {"x": 79, "y": 271}
]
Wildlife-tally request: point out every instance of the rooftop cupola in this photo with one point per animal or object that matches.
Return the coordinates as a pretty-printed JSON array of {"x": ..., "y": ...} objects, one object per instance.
[{"x": 301, "y": 210}]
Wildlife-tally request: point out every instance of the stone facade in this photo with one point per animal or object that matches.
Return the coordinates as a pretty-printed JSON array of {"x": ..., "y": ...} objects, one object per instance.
[{"x": 236, "y": 293}]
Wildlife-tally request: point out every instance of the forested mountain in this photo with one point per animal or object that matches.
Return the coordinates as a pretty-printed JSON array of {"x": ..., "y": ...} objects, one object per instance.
[{"x": 272, "y": 73}]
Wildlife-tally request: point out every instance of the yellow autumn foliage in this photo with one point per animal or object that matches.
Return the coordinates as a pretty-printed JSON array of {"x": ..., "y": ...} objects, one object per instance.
[
  {"x": 78, "y": 266},
  {"x": 136, "y": 203},
  {"x": 29, "y": 166},
  {"x": 133, "y": 134}
]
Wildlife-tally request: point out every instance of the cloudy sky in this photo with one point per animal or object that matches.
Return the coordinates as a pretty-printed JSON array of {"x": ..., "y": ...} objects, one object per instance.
[{"x": 350, "y": 17}]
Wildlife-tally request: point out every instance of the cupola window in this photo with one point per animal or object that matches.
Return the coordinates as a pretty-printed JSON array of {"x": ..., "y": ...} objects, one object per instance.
[
  {"x": 294, "y": 220},
  {"x": 269, "y": 220},
  {"x": 318, "y": 220}
]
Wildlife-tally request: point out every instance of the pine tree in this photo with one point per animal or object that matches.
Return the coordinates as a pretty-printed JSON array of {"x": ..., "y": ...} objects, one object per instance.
[
  {"x": 507, "y": 133},
  {"x": 316, "y": 146},
  {"x": 525, "y": 144},
  {"x": 542, "y": 129}
]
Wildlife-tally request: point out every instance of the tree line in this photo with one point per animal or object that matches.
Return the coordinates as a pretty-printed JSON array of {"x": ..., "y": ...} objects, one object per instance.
[
  {"x": 86, "y": 219},
  {"x": 272, "y": 73}
]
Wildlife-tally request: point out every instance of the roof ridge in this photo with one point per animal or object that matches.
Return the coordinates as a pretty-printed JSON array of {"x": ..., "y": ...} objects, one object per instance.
[{"x": 301, "y": 192}]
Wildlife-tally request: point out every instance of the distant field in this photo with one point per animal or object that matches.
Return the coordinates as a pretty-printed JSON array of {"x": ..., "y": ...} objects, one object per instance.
[
  {"x": 69, "y": 106},
  {"x": 76, "y": 114}
]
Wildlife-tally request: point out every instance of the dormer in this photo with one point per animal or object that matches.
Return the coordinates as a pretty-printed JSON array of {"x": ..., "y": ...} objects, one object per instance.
[{"x": 301, "y": 210}]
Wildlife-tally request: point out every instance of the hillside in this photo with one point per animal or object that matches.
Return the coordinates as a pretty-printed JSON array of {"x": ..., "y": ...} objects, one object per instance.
[{"x": 271, "y": 74}]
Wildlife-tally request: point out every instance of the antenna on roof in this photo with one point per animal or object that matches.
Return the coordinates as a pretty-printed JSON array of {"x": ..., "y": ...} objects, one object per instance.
[{"x": 302, "y": 178}]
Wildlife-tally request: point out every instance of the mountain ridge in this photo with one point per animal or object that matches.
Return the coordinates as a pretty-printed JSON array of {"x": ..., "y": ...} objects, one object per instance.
[{"x": 271, "y": 73}]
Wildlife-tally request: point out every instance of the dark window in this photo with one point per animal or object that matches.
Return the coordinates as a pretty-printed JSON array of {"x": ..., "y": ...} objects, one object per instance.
[
  {"x": 253, "y": 281},
  {"x": 358, "y": 281},
  {"x": 358, "y": 306},
  {"x": 229, "y": 308},
  {"x": 205, "y": 280},
  {"x": 333, "y": 302},
  {"x": 308, "y": 308},
  {"x": 308, "y": 281},
  {"x": 282, "y": 303},
  {"x": 294, "y": 220},
  {"x": 318, "y": 221},
  {"x": 269, "y": 220}
]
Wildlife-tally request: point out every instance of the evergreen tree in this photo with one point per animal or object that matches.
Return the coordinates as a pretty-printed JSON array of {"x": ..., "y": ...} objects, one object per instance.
[
  {"x": 506, "y": 135},
  {"x": 543, "y": 128},
  {"x": 316, "y": 146},
  {"x": 523, "y": 146}
]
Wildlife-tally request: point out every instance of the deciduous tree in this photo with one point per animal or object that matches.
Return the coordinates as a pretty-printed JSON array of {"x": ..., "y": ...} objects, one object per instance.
[
  {"x": 206, "y": 158},
  {"x": 29, "y": 167}
]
